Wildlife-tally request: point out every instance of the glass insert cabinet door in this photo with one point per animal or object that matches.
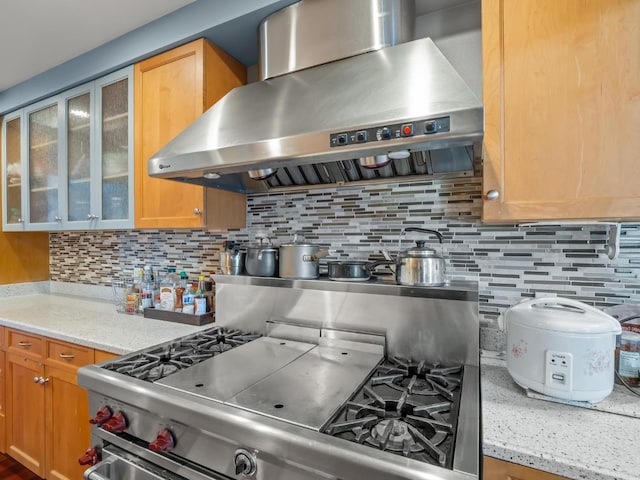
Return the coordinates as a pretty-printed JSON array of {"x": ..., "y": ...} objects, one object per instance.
[
  {"x": 79, "y": 142},
  {"x": 13, "y": 171},
  {"x": 115, "y": 150},
  {"x": 43, "y": 165}
]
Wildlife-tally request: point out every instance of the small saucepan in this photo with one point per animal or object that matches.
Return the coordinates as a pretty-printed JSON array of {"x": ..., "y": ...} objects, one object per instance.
[{"x": 353, "y": 270}]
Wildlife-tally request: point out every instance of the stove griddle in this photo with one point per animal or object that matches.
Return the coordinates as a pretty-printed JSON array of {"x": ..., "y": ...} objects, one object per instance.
[
  {"x": 311, "y": 389},
  {"x": 221, "y": 377}
]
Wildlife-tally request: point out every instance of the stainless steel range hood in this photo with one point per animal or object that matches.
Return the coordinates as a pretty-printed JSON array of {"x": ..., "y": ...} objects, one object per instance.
[{"x": 317, "y": 125}]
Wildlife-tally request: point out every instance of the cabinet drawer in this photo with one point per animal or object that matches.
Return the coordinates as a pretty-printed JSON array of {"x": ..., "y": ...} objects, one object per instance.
[
  {"x": 25, "y": 344},
  {"x": 62, "y": 354}
]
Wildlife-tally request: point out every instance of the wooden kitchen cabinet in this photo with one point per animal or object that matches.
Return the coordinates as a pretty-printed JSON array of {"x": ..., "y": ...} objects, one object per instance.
[
  {"x": 494, "y": 469},
  {"x": 25, "y": 400},
  {"x": 68, "y": 432},
  {"x": 172, "y": 90},
  {"x": 67, "y": 160},
  {"x": 47, "y": 412},
  {"x": 562, "y": 109},
  {"x": 24, "y": 256}
]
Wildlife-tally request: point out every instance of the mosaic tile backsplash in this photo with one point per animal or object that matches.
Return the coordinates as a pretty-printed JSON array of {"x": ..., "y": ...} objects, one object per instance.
[{"x": 510, "y": 263}]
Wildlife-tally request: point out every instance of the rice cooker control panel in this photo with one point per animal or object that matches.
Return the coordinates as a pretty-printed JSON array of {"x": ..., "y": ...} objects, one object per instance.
[
  {"x": 558, "y": 371},
  {"x": 391, "y": 132}
]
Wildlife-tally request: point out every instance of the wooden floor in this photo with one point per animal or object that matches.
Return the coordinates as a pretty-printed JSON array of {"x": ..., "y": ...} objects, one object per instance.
[{"x": 12, "y": 470}]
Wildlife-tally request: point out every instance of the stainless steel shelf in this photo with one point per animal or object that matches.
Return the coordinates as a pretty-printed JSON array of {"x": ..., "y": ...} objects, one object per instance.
[{"x": 455, "y": 290}]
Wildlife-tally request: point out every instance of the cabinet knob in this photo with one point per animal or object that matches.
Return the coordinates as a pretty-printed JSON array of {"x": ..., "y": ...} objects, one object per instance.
[
  {"x": 42, "y": 381},
  {"x": 36, "y": 379},
  {"x": 57, "y": 218},
  {"x": 197, "y": 211},
  {"x": 493, "y": 195},
  {"x": 20, "y": 220}
]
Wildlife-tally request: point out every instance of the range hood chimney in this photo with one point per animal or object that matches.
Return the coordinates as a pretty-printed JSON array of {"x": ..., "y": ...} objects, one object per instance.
[{"x": 345, "y": 95}]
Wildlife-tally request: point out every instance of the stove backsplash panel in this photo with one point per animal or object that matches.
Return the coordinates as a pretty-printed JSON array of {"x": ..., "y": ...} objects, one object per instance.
[{"x": 509, "y": 262}]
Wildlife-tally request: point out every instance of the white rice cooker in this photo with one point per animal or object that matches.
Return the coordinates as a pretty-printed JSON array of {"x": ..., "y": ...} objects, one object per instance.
[{"x": 561, "y": 348}]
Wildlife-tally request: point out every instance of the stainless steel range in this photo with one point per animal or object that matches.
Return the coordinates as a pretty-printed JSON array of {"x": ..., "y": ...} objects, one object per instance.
[{"x": 300, "y": 379}]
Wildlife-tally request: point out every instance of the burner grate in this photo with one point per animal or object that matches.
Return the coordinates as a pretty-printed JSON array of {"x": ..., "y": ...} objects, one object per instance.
[
  {"x": 407, "y": 408},
  {"x": 160, "y": 362}
]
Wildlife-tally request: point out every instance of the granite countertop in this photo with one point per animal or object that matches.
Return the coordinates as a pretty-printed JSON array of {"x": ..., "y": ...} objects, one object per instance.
[
  {"x": 88, "y": 322},
  {"x": 567, "y": 440}
]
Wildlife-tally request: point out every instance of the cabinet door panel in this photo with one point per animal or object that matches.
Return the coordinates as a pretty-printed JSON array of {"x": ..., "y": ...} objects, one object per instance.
[
  {"x": 115, "y": 150},
  {"x": 68, "y": 429},
  {"x": 13, "y": 165},
  {"x": 172, "y": 98},
  {"x": 43, "y": 165},
  {"x": 562, "y": 106},
  {"x": 79, "y": 142},
  {"x": 25, "y": 421}
]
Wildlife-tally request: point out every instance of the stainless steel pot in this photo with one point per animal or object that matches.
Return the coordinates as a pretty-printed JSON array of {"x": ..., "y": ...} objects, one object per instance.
[
  {"x": 262, "y": 260},
  {"x": 352, "y": 271},
  {"x": 232, "y": 259},
  {"x": 299, "y": 260},
  {"x": 420, "y": 265}
]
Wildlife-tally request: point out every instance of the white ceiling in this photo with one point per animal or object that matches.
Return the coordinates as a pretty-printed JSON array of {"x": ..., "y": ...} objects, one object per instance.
[{"x": 36, "y": 35}]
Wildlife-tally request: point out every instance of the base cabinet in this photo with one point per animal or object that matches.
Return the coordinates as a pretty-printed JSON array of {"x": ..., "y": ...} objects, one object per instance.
[
  {"x": 494, "y": 469},
  {"x": 25, "y": 401},
  {"x": 47, "y": 412}
]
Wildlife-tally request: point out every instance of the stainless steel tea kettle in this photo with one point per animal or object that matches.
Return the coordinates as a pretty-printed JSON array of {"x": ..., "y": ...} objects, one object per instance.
[{"x": 420, "y": 266}]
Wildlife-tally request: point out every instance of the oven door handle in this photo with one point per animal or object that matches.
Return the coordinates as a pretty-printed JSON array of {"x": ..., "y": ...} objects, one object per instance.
[
  {"x": 92, "y": 473},
  {"x": 117, "y": 464}
]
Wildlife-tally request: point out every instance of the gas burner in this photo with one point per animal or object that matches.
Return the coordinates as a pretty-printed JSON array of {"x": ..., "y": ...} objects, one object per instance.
[
  {"x": 160, "y": 362},
  {"x": 406, "y": 408}
]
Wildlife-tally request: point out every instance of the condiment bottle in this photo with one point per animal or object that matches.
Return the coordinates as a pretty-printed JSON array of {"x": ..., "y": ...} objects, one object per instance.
[{"x": 200, "y": 300}]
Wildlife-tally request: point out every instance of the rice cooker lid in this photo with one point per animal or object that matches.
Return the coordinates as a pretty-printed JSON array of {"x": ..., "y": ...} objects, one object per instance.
[{"x": 559, "y": 314}]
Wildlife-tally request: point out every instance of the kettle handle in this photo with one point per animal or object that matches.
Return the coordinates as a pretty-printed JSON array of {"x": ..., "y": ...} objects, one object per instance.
[
  {"x": 574, "y": 304},
  {"x": 425, "y": 230}
]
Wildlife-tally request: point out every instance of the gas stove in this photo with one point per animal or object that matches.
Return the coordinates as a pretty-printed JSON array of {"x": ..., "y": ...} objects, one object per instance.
[{"x": 292, "y": 399}]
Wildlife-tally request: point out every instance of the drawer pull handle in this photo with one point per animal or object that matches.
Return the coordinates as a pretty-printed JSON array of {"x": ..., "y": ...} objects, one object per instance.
[
  {"x": 24, "y": 344},
  {"x": 67, "y": 356}
]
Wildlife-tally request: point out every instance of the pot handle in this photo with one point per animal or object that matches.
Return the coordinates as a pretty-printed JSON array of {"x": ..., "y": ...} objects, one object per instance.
[
  {"x": 315, "y": 256},
  {"x": 575, "y": 306},
  {"x": 370, "y": 266}
]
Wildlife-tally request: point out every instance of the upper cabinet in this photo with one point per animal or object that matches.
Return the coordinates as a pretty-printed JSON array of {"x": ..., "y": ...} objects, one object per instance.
[
  {"x": 172, "y": 90},
  {"x": 68, "y": 160},
  {"x": 561, "y": 89}
]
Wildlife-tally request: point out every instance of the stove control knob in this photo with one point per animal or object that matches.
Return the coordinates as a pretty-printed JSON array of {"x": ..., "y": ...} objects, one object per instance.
[
  {"x": 164, "y": 441},
  {"x": 115, "y": 424},
  {"x": 245, "y": 463},
  {"x": 90, "y": 457},
  {"x": 102, "y": 416}
]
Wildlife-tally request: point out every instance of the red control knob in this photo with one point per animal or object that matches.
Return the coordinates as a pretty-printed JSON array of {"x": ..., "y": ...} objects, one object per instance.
[
  {"x": 115, "y": 424},
  {"x": 164, "y": 441},
  {"x": 102, "y": 416},
  {"x": 90, "y": 457}
]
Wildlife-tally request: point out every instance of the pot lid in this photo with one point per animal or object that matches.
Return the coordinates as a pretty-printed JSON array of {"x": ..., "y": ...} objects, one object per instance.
[
  {"x": 559, "y": 314},
  {"x": 419, "y": 251},
  {"x": 299, "y": 241}
]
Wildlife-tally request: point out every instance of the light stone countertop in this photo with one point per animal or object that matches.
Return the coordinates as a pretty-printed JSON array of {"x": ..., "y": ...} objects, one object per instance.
[
  {"x": 566, "y": 440},
  {"x": 92, "y": 323}
]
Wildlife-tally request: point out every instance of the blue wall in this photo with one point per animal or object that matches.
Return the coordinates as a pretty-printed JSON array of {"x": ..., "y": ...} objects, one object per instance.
[{"x": 230, "y": 24}]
